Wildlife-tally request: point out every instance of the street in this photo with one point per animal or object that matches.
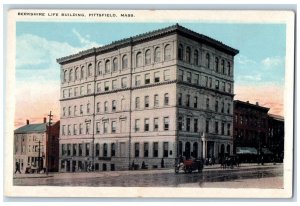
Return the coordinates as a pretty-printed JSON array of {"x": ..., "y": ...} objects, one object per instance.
[{"x": 245, "y": 176}]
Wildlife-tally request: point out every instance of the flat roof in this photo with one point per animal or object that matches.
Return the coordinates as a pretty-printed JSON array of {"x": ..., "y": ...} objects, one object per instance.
[{"x": 148, "y": 36}]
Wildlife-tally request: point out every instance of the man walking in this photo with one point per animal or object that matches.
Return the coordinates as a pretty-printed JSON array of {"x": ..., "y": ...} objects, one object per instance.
[{"x": 18, "y": 168}]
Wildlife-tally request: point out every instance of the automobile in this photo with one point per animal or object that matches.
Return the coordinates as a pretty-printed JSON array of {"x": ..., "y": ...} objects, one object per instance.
[{"x": 188, "y": 166}]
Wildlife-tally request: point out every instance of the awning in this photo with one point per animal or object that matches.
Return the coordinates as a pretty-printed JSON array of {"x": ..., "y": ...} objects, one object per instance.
[
  {"x": 266, "y": 151},
  {"x": 246, "y": 150}
]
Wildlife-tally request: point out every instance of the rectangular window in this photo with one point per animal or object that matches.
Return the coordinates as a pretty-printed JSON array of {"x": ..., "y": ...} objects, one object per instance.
[
  {"x": 217, "y": 127},
  {"x": 87, "y": 128},
  {"x": 207, "y": 126},
  {"x": 75, "y": 110},
  {"x": 223, "y": 128},
  {"x": 81, "y": 109},
  {"x": 179, "y": 123},
  {"x": 75, "y": 91},
  {"x": 223, "y": 86},
  {"x": 146, "y": 125},
  {"x": 105, "y": 127},
  {"x": 222, "y": 108},
  {"x": 146, "y": 101},
  {"x": 207, "y": 103},
  {"x": 228, "y": 129},
  {"x": 188, "y": 124},
  {"x": 98, "y": 128},
  {"x": 89, "y": 90},
  {"x": 137, "y": 125},
  {"x": 187, "y": 100},
  {"x": 64, "y": 94},
  {"x": 80, "y": 150},
  {"x": 195, "y": 102},
  {"x": 63, "y": 130},
  {"x": 74, "y": 149},
  {"x": 188, "y": 77},
  {"x": 81, "y": 90},
  {"x": 63, "y": 149},
  {"x": 156, "y": 77},
  {"x": 80, "y": 128},
  {"x": 98, "y": 107},
  {"x": 210, "y": 82},
  {"x": 74, "y": 129},
  {"x": 155, "y": 124},
  {"x": 137, "y": 102},
  {"x": 69, "y": 111},
  {"x": 196, "y": 79},
  {"x": 98, "y": 87},
  {"x": 114, "y": 84},
  {"x": 216, "y": 106},
  {"x": 180, "y": 75},
  {"x": 137, "y": 80},
  {"x": 114, "y": 105},
  {"x": 166, "y": 123},
  {"x": 167, "y": 75},
  {"x": 146, "y": 149},
  {"x": 113, "y": 127},
  {"x": 195, "y": 125},
  {"x": 206, "y": 81},
  {"x": 70, "y": 92},
  {"x": 88, "y": 108},
  {"x": 69, "y": 149},
  {"x": 180, "y": 99},
  {"x": 106, "y": 86},
  {"x": 228, "y": 108},
  {"x": 87, "y": 149},
  {"x": 124, "y": 82},
  {"x": 136, "y": 149},
  {"x": 64, "y": 111},
  {"x": 156, "y": 101},
  {"x": 69, "y": 130},
  {"x": 155, "y": 149},
  {"x": 147, "y": 78},
  {"x": 217, "y": 84},
  {"x": 229, "y": 88},
  {"x": 165, "y": 149}
]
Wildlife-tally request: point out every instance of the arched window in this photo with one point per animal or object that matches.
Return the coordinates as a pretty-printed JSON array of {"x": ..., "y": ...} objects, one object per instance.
[
  {"x": 76, "y": 73},
  {"x": 124, "y": 62},
  {"x": 71, "y": 75},
  {"x": 229, "y": 68},
  {"x": 107, "y": 66},
  {"x": 104, "y": 150},
  {"x": 180, "y": 52},
  {"x": 207, "y": 63},
  {"x": 113, "y": 149},
  {"x": 157, "y": 54},
  {"x": 114, "y": 105},
  {"x": 188, "y": 55},
  {"x": 196, "y": 57},
  {"x": 99, "y": 68},
  {"x": 115, "y": 64},
  {"x": 82, "y": 72},
  {"x": 65, "y": 75},
  {"x": 217, "y": 64},
  {"x": 97, "y": 149},
  {"x": 139, "y": 59},
  {"x": 167, "y": 54},
  {"x": 90, "y": 67},
  {"x": 223, "y": 66},
  {"x": 148, "y": 57}
]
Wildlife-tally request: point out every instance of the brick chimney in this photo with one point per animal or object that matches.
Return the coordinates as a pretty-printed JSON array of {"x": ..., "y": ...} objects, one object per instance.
[
  {"x": 45, "y": 119},
  {"x": 27, "y": 121}
]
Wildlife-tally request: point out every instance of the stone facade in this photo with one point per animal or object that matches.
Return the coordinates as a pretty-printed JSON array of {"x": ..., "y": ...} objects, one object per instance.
[{"x": 148, "y": 98}]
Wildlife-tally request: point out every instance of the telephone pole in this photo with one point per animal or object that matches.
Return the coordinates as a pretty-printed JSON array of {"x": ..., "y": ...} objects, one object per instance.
[
  {"x": 47, "y": 142},
  {"x": 39, "y": 158}
]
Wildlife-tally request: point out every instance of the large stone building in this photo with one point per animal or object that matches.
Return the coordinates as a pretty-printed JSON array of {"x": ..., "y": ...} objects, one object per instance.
[
  {"x": 276, "y": 135},
  {"x": 30, "y": 149},
  {"x": 151, "y": 97}
]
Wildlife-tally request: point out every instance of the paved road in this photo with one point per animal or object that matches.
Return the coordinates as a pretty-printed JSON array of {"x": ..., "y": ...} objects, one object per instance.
[{"x": 162, "y": 178}]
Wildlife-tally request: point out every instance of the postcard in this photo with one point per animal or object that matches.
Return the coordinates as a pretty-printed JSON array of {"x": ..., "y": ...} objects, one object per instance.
[{"x": 149, "y": 103}]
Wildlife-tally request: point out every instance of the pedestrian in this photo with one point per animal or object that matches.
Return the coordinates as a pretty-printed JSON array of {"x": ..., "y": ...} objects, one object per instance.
[
  {"x": 162, "y": 163},
  {"x": 18, "y": 168},
  {"x": 132, "y": 165}
]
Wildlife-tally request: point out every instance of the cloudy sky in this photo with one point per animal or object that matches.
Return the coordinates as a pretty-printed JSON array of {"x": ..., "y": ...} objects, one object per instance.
[{"x": 259, "y": 67}]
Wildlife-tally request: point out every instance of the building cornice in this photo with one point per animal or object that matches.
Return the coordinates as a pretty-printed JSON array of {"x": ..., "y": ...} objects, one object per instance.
[{"x": 174, "y": 29}]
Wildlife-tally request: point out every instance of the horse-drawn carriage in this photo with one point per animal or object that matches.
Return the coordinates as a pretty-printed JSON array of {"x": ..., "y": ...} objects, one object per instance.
[{"x": 189, "y": 166}]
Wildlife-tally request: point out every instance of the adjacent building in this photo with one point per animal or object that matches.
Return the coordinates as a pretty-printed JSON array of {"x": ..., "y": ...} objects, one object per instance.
[
  {"x": 276, "y": 135},
  {"x": 30, "y": 146},
  {"x": 148, "y": 98},
  {"x": 256, "y": 132}
]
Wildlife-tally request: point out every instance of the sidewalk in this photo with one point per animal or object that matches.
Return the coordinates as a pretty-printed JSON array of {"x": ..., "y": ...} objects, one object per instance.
[{"x": 70, "y": 175}]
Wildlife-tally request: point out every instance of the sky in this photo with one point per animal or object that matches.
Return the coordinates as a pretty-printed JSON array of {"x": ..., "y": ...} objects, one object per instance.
[{"x": 259, "y": 68}]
